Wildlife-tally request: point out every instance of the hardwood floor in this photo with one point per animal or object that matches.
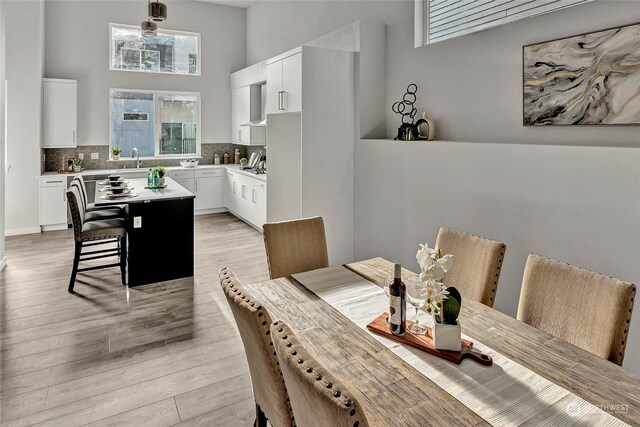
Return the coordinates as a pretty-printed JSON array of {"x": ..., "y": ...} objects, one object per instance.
[{"x": 157, "y": 355}]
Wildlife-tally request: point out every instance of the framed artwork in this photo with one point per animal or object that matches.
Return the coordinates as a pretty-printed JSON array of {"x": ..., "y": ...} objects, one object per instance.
[{"x": 588, "y": 79}]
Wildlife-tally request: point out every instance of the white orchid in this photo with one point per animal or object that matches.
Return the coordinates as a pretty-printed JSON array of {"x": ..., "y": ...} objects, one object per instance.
[{"x": 433, "y": 267}]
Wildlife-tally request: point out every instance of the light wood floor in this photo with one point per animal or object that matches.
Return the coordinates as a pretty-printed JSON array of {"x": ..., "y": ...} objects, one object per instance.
[{"x": 157, "y": 355}]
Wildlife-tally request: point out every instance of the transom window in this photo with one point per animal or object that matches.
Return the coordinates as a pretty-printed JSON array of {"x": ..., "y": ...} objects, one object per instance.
[
  {"x": 158, "y": 123},
  {"x": 172, "y": 52}
]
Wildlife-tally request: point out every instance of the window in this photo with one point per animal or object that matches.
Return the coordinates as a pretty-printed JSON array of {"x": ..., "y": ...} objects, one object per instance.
[
  {"x": 158, "y": 123},
  {"x": 446, "y": 19},
  {"x": 172, "y": 52}
]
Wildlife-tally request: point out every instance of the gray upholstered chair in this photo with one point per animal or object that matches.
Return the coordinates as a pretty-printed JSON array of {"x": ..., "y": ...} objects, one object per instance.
[
  {"x": 253, "y": 320},
  {"x": 586, "y": 309},
  {"x": 295, "y": 246},
  {"x": 318, "y": 398},
  {"x": 477, "y": 264},
  {"x": 93, "y": 212},
  {"x": 94, "y": 233}
]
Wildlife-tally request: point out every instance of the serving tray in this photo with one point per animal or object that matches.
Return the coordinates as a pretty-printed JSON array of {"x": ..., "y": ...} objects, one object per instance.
[{"x": 425, "y": 342}]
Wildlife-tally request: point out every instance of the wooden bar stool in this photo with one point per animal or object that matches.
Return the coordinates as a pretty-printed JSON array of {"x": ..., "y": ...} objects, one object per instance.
[{"x": 93, "y": 233}]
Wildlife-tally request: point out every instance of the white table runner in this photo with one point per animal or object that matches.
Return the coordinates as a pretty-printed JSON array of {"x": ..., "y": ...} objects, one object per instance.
[{"x": 504, "y": 394}]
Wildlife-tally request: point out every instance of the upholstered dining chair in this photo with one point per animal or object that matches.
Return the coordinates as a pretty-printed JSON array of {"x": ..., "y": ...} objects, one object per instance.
[
  {"x": 295, "y": 246},
  {"x": 586, "y": 309},
  {"x": 318, "y": 398},
  {"x": 253, "y": 321},
  {"x": 94, "y": 233},
  {"x": 477, "y": 264},
  {"x": 100, "y": 212}
]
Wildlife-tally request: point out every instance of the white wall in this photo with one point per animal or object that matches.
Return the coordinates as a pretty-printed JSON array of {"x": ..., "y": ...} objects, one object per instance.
[
  {"x": 24, "y": 70},
  {"x": 2, "y": 127},
  {"x": 564, "y": 192},
  {"x": 77, "y": 47}
]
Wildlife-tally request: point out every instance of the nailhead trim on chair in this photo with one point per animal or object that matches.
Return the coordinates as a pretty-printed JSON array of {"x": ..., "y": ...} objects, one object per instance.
[{"x": 248, "y": 300}]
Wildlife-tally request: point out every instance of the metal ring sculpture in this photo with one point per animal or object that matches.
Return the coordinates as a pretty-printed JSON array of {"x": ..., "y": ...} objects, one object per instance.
[{"x": 406, "y": 107}]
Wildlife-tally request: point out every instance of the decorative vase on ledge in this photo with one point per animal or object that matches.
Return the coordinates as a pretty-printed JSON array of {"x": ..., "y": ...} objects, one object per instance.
[
  {"x": 116, "y": 157},
  {"x": 446, "y": 337}
]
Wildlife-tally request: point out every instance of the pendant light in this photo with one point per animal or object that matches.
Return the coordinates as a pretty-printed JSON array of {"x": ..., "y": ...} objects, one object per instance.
[
  {"x": 148, "y": 29},
  {"x": 157, "y": 11}
]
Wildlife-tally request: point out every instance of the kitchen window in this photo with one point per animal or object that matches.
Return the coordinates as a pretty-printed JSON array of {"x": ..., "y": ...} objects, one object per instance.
[
  {"x": 169, "y": 52},
  {"x": 158, "y": 123}
]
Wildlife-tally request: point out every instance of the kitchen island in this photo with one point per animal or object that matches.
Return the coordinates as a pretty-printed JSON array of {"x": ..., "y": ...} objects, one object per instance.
[{"x": 160, "y": 241}]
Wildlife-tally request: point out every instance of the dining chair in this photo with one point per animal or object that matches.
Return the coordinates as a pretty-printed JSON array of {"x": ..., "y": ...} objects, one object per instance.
[
  {"x": 477, "y": 264},
  {"x": 318, "y": 398},
  {"x": 253, "y": 320},
  {"x": 90, "y": 207},
  {"x": 586, "y": 309},
  {"x": 99, "y": 212},
  {"x": 94, "y": 233},
  {"x": 295, "y": 246}
]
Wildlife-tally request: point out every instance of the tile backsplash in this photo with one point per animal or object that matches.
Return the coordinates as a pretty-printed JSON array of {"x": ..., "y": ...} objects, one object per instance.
[{"x": 53, "y": 156}]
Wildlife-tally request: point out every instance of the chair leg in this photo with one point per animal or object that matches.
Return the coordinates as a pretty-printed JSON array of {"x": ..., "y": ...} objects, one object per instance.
[
  {"x": 74, "y": 271},
  {"x": 123, "y": 259},
  {"x": 261, "y": 419}
]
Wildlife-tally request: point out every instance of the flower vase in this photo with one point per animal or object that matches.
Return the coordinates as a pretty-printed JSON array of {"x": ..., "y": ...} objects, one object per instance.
[{"x": 447, "y": 337}]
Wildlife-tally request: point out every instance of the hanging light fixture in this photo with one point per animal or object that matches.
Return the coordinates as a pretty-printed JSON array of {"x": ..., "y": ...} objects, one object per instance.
[
  {"x": 157, "y": 11},
  {"x": 148, "y": 28}
]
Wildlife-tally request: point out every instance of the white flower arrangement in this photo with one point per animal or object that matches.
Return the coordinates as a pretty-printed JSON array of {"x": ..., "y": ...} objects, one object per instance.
[{"x": 433, "y": 266}]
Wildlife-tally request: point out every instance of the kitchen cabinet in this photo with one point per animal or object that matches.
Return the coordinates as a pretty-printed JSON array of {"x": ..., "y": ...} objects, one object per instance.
[
  {"x": 245, "y": 112},
  {"x": 208, "y": 189},
  {"x": 259, "y": 199},
  {"x": 59, "y": 100},
  {"x": 230, "y": 191},
  {"x": 53, "y": 202},
  {"x": 246, "y": 197},
  {"x": 311, "y": 152},
  {"x": 284, "y": 83}
]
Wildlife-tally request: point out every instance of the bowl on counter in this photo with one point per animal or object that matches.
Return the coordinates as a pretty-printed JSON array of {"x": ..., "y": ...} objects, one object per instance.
[
  {"x": 116, "y": 183},
  {"x": 117, "y": 190},
  {"x": 114, "y": 178},
  {"x": 189, "y": 163}
]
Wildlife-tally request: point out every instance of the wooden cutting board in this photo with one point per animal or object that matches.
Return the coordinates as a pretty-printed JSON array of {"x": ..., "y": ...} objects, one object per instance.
[{"x": 425, "y": 343}]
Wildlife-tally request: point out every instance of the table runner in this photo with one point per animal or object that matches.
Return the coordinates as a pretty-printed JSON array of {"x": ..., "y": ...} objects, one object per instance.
[{"x": 504, "y": 394}]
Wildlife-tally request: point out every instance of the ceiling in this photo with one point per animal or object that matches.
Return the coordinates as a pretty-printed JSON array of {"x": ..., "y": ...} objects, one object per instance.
[{"x": 236, "y": 3}]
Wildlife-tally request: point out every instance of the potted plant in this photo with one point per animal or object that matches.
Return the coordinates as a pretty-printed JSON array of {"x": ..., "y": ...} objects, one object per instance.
[
  {"x": 243, "y": 162},
  {"x": 115, "y": 151},
  {"x": 77, "y": 165},
  {"x": 161, "y": 172},
  {"x": 443, "y": 303}
]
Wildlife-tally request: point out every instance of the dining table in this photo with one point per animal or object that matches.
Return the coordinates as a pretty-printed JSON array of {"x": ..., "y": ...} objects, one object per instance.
[{"x": 535, "y": 379}]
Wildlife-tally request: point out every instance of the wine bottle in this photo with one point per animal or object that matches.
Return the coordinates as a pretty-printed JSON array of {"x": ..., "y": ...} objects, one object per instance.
[{"x": 397, "y": 308}]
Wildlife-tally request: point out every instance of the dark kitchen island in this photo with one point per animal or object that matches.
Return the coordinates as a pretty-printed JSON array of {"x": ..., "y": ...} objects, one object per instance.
[{"x": 160, "y": 241}]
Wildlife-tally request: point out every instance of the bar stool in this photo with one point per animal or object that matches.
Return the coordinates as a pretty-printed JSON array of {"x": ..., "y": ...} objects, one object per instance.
[
  {"x": 93, "y": 212},
  {"x": 92, "y": 233}
]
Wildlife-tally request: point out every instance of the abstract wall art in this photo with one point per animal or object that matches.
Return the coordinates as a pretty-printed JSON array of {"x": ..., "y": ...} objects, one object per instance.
[{"x": 589, "y": 79}]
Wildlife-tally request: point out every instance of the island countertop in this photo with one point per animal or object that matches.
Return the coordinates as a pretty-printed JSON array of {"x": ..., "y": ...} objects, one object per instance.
[{"x": 173, "y": 191}]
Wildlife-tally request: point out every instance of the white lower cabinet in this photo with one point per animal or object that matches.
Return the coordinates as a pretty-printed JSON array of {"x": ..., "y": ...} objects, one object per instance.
[
  {"x": 246, "y": 197},
  {"x": 53, "y": 202},
  {"x": 205, "y": 183}
]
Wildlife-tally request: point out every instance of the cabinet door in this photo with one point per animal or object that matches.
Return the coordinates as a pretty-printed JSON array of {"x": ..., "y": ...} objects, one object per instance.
[
  {"x": 274, "y": 87},
  {"x": 240, "y": 114},
  {"x": 188, "y": 183},
  {"x": 53, "y": 208},
  {"x": 245, "y": 208},
  {"x": 292, "y": 83},
  {"x": 59, "y": 113},
  {"x": 259, "y": 204},
  {"x": 208, "y": 193},
  {"x": 230, "y": 191}
]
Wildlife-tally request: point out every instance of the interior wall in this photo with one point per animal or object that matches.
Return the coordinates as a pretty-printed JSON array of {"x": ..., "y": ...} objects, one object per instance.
[
  {"x": 24, "y": 69},
  {"x": 86, "y": 59},
  {"x": 2, "y": 136},
  {"x": 564, "y": 192}
]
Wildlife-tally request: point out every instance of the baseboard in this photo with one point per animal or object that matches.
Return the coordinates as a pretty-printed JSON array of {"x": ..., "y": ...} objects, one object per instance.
[
  {"x": 18, "y": 231},
  {"x": 3, "y": 263},
  {"x": 55, "y": 227},
  {"x": 210, "y": 211}
]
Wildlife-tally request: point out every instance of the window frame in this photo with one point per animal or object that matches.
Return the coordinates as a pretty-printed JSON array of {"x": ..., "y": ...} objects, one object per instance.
[
  {"x": 162, "y": 31},
  {"x": 157, "y": 123}
]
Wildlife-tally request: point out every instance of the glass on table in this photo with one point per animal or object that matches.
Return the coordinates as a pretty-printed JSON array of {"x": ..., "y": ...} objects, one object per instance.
[{"x": 417, "y": 296}]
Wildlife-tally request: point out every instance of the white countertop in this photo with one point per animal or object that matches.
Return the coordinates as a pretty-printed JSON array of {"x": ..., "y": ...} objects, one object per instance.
[{"x": 233, "y": 167}]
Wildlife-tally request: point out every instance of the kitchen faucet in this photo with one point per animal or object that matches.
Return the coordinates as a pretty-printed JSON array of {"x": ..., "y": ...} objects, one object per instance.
[{"x": 135, "y": 152}]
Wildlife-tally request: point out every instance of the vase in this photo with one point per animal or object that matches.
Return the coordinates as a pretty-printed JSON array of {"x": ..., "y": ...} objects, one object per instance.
[
  {"x": 162, "y": 181},
  {"x": 116, "y": 157},
  {"x": 77, "y": 168},
  {"x": 447, "y": 337}
]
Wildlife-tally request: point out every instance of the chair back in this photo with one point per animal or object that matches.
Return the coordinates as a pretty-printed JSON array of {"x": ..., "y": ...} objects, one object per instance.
[
  {"x": 74, "y": 199},
  {"x": 586, "y": 309},
  {"x": 295, "y": 246},
  {"x": 318, "y": 399},
  {"x": 253, "y": 322},
  {"x": 477, "y": 264},
  {"x": 83, "y": 189}
]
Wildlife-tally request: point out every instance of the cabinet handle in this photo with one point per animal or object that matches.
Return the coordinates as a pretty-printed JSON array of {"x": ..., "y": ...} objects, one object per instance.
[
  {"x": 55, "y": 182},
  {"x": 64, "y": 195},
  {"x": 74, "y": 137},
  {"x": 234, "y": 187},
  {"x": 230, "y": 174},
  {"x": 261, "y": 185},
  {"x": 280, "y": 101},
  {"x": 284, "y": 101},
  {"x": 239, "y": 134},
  {"x": 253, "y": 195}
]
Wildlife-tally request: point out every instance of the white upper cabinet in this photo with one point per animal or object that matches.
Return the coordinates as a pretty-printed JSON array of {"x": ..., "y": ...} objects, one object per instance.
[
  {"x": 284, "y": 83},
  {"x": 60, "y": 99},
  {"x": 245, "y": 113}
]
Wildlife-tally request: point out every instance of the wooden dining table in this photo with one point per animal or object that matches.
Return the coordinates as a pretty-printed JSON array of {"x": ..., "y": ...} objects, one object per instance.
[{"x": 393, "y": 384}]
